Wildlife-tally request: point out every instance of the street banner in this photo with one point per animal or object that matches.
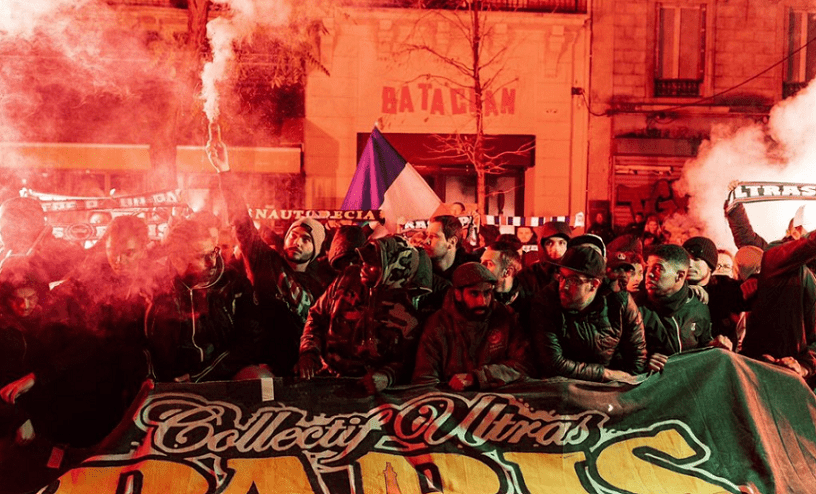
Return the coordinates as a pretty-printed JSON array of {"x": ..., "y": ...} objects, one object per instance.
[
  {"x": 497, "y": 220},
  {"x": 712, "y": 422},
  {"x": 54, "y": 203},
  {"x": 748, "y": 192},
  {"x": 355, "y": 215}
]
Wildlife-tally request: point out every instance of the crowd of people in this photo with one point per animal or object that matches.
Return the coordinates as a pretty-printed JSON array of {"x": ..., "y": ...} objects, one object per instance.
[{"x": 83, "y": 329}]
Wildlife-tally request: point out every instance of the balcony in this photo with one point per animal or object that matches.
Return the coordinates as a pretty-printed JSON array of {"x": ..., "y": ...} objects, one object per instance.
[
  {"x": 548, "y": 6},
  {"x": 791, "y": 88},
  {"x": 677, "y": 88}
]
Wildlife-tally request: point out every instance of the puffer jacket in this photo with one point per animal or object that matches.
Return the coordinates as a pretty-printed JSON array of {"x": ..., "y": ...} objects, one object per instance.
[
  {"x": 608, "y": 333},
  {"x": 207, "y": 332},
  {"x": 675, "y": 323},
  {"x": 357, "y": 329},
  {"x": 494, "y": 350}
]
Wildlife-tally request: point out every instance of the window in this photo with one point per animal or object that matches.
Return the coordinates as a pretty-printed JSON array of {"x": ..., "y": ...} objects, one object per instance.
[
  {"x": 801, "y": 66},
  {"x": 680, "y": 50}
]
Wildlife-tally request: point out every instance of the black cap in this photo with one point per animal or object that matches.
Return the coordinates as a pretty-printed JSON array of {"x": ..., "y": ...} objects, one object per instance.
[
  {"x": 591, "y": 239},
  {"x": 584, "y": 259}
]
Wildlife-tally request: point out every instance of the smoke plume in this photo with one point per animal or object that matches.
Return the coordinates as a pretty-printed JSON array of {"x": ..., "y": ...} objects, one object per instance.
[
  {"x": 245, "y": 19},
  {"x": 783, "y": 150}
]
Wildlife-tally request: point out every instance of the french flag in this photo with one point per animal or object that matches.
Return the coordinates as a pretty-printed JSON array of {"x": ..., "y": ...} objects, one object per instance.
[{"x": 385, "y": 181}]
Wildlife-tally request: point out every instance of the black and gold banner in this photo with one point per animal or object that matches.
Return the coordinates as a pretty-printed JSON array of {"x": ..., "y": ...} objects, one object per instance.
[{"x": 712, "y": 422}]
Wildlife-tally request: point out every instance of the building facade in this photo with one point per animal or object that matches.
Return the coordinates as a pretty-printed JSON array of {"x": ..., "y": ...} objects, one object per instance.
[
  {"x": 665, "y": 73},
  {"x": 407, "y": 71}
]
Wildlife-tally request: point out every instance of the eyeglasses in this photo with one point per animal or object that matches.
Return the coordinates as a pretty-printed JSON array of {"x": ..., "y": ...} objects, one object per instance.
[
  {"x": 212, "y": 255},
  {"x": 724, "y": 266},
  {"x": 570, "y": 280}
]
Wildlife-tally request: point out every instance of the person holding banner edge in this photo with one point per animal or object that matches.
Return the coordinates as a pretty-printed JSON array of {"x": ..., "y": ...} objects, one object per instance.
[{"x": 781, "y": 328}]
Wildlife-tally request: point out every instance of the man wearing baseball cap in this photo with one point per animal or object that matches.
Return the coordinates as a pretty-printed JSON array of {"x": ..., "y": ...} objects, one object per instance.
[
  {"x": 582, "y": 332},
  {"x": 625, "y": 271},
  {"x": 473, "y": 342}
]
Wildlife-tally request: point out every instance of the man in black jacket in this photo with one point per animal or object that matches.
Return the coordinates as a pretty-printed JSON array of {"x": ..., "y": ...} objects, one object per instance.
[
  {"x": 582, "y": 331},
  {"x": 201, "y": 324},
  {"x": 554, "y": 236},
  {"x": 674, "y": 318},
  {"x": 443, "y": 244}
]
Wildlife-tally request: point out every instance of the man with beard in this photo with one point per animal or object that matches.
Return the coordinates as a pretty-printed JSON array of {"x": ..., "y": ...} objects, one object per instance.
[
  {"x": 275, "y": 279},
  {"x": 286, "y": 285},
  {"x": 473, "y": 342},
  {"x": 581, "y": 331},
  {"x": 366, "y": 324},
  {"x": 301, "y": 248},
  {"x": 201, "y": 324}
]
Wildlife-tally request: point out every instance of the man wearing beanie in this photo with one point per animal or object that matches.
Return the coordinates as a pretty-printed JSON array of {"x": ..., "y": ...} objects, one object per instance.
[
  {"x": 473, "y": 342},
  {"x": 553, "y": 236},
  {"x": 722, "y": 294},
  {"x": 301, "y": 247},
  {"x": 302, "y": 243},
  {"x": 703, "y": 254},
  {"x": 283, "y": 294},
  {"x": 582, "y": 332}
]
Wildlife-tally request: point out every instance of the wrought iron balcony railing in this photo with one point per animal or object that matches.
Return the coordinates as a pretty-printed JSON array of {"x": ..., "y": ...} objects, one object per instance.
[
  {"x": 550, "y": 6},
  {"x": 677, "y": 88}
]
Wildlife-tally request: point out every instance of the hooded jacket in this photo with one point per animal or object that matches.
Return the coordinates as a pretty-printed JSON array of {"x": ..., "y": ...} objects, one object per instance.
[
  {"x": 675, "y": 323},
  {"x": 494, "y": 350},
  {"x": 357, "y": 329},
  {"x": 207, "y": 332},
  {"x": 608, "y": 333}
]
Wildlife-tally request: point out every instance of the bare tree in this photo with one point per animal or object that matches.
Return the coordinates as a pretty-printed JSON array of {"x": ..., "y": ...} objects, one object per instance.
[{"x": 478, "y": 73}]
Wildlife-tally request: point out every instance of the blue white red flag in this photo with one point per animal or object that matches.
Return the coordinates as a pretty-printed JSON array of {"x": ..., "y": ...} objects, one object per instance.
[{"x": 385, "y": 181}]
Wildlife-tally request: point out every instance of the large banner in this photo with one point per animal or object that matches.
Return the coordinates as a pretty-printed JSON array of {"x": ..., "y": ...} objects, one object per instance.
[{"x": 712, "y": 422}]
